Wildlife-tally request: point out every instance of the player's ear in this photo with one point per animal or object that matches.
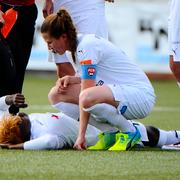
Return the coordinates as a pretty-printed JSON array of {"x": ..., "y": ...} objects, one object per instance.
[{"x": 64, "y": 36}]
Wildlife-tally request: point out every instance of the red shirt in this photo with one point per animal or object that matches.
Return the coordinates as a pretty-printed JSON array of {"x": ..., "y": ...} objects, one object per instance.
[{"x": 18, "y": 2}]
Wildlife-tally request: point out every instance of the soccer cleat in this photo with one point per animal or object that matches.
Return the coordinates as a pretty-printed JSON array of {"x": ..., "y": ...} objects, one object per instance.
[
  {"x": 125, "y": 141},
  {"x": 106, "y": 140}
]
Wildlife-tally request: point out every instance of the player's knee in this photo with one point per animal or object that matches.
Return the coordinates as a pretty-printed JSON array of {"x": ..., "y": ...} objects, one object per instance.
[
  {"x": 153, "y": 136},
  {"x": 53, "y": 96},
  {"x": 86, "y": 99}
]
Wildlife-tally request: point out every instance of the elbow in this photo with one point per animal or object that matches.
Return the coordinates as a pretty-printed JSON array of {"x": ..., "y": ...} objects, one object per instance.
[{"x": 50, "y": 142}]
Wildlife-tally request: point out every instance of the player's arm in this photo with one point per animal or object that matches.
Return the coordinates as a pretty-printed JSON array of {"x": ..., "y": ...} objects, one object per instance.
[
  {"x": 12, "y": 146},
  {"x": 110, "y": 0},
  {"x": 48, "y": 8},
  {"x": 64, "y": 69},
  {"x": 1, "y": 18},
  {"x": 88, "y": 79},
  {"x": 175, "y": 68},
  {"x": 42, "y": 143},
  {"x": 47, "y": 141},
  {"x": 17, "y": 99}
]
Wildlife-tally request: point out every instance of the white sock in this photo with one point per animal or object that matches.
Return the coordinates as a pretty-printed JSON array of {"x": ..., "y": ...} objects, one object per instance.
[
  {"x": 109, "y": 114},
  {"x": 168, "y": 137},
  {"x": 69, "y": 109}
]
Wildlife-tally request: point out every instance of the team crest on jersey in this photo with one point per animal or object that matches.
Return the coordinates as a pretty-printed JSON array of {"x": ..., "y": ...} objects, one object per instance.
[{"x": 91, "y": 71}]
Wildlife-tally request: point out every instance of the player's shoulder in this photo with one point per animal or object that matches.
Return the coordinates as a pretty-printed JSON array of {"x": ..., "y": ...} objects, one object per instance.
[{"x": 88, "y": 40}]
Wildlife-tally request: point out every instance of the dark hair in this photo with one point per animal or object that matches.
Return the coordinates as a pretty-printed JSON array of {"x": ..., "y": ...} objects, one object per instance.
[{"x": 61, "y": 23}]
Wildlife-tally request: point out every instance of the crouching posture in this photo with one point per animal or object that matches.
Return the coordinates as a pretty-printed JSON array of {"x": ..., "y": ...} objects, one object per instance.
[{"x": 107, "y": 80}]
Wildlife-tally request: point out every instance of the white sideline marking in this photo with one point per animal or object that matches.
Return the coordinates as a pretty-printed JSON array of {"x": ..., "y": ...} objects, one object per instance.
[
  {"x": 156, "y": 109},
  {"x": 166, "y": 109}
]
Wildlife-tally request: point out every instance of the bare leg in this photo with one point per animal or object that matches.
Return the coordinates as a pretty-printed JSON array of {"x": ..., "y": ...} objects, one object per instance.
[
  {"x": 95, "y": 95},
  {"x": 71, "y": 95}
]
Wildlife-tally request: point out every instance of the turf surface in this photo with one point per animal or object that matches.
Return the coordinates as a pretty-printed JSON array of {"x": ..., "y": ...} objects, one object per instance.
[{"x": 69, "y": 164}]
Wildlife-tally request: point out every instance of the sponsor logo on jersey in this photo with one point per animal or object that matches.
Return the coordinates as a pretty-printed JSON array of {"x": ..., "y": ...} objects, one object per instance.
[
  {"x": 100, "y": 83},
  {"x": 55, "y": 116}
]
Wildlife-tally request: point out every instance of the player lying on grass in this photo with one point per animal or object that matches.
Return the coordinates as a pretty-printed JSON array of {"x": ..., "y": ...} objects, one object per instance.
[{"x": 57, "y": 131}]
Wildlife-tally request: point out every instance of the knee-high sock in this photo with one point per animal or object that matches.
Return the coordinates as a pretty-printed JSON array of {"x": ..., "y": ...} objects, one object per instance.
[
  {"x": 69, "y": 109},
  {"x": 109, "y": 114},
  {"x": 168, "y": 137}
]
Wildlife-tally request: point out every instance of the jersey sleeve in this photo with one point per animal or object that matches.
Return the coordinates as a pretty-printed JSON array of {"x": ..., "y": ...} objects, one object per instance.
[
  {"x": 3, "y": 105},
  {"x": 47, "y": 141},
  {"x": 57, "y": 58},
  {"x": 88, "y": 50}
]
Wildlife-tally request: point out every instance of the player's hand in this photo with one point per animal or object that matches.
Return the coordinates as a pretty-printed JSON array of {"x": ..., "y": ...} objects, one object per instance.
[
  {"x": 62, "y": 84},
  {"x": 1, "y": 19},
  {"x": 48, "y": 8},
  {"x": 80, "y": 143},
  {"x": 4, "y": 146},
  {"x": 17, "y": 99},
  {"x": 110, "y": 0}
]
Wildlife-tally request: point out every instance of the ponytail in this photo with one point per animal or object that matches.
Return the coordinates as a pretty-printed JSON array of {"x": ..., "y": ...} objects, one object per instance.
[{"x": 61, "y": 23}]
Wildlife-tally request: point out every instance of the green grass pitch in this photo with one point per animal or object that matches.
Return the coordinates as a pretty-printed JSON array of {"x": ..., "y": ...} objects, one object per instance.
[{"x": 69, "y": 164}]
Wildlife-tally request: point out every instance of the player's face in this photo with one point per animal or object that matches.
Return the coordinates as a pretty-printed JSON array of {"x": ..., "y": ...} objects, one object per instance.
[
  {"x": 25, "y": 126},
  {"x": 59, "y": 45}
]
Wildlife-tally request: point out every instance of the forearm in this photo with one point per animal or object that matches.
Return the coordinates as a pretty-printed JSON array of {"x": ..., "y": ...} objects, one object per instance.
[
  {"x": 44, "y": 142},
  {"x": 64, "y": 69},
  {"x": 16, "y": 146},
  {"x": 84, "y": 119},
  {"x": 84, "y": 116}
]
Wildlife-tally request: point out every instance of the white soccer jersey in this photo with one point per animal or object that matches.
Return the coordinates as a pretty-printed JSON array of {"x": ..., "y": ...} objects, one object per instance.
[
  {"x": 128, "y": 83},
  {"x": 3, "y": 106},
  {"x": 174, "y": 30},
  {"x": 88, "y": 17},
  {"x": 56, "y": 131},
  {"x": 113, "y": 65}
]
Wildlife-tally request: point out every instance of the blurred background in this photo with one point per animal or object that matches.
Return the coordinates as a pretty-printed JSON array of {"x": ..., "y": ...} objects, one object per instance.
[{"x": 139, "y": 27}]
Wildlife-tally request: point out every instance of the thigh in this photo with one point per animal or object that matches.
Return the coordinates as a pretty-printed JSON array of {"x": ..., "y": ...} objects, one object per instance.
[
  {"x": 98, "y": 94},
  {"x": 71, "y": 95}
]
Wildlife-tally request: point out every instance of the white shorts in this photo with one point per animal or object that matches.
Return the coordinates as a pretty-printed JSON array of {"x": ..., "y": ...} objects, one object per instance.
[
  {"x": 174, "y": 30},
  {"x": 134, "y": 102}
]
